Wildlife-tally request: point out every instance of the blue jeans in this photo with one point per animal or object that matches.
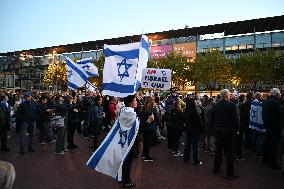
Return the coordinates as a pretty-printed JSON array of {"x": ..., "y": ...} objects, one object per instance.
[
  {"x": 30, "y": 129},
  {"x": 61, "y": 137},
  {"x": 191, "y": 142},
  {"x": 258, "y": 139}
]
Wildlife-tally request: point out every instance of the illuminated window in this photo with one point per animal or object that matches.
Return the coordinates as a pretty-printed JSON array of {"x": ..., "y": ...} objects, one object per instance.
[
  {"x": 241, "y": 47},
  {"x": 228, "y": 48},
  {"x": 249, "y": 46},
  {"x": 235, "y": 47},
  {"x": 275, "y": 44}
]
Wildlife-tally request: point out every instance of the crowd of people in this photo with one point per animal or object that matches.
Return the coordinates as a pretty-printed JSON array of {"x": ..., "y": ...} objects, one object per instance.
[{"x": 223, "y": 125}]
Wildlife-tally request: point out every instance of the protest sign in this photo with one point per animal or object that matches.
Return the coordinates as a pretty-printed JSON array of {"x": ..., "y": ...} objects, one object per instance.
[{"x": 153, "y": 78}]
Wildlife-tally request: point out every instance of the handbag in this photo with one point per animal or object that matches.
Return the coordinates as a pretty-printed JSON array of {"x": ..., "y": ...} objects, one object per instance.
[{"x": 57, "y": 121}]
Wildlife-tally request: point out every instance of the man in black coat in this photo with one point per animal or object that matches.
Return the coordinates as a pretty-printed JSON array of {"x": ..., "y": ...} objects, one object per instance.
[
  {"x": 96, "y": 121},
  {"x": 272, "y": 121},
  {"x": 87, "y": 105},
  {"x": 226, "y": 124},
  {"x": 4, "y": 125},
  {"x": 27, "y": 114}
]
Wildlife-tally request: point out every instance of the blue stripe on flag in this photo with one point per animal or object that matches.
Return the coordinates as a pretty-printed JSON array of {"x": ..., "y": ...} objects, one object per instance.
[
  {"x": 118, "y": 87},
  {"x": 132, "y": 54},
  {"x": 73, "y": 67},
  {"x": 95, "y": 160},
  {"x": 84, "y": 61},
  {"x": 72, "y": 85},
  {"x": 254, "y": 124},
  {"x": 131, "y": 133},
  {"x": 138, "y": 83},
  {"x": 92, "y": 74},
  {"x": 144, "y": 44}
]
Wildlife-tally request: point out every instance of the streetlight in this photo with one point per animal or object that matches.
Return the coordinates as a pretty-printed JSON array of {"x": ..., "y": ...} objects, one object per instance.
[{"x": 53, "y": 66}]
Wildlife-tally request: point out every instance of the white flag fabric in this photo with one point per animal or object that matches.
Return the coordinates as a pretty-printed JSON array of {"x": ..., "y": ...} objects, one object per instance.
[
  {"x": 123, "y": 67},
  {"x": 143, "y": 59},
  {"x": 108, "y": 158},
  {"x": 90, "y": 86},
  {"x": 76, "y": 76},
  {"x": 88, "y": 67}
]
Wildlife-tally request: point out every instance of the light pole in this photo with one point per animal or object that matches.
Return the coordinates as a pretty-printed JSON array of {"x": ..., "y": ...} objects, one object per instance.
[{"x": 54, "y": 70}]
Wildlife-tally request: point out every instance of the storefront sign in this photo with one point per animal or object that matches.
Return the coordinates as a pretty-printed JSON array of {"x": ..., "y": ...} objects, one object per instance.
[
  {"x": 187, "y": 49},
  {"x": 160, "y": 51}
]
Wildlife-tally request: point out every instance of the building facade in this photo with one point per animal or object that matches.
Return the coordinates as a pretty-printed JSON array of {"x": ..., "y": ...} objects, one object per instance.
[{"x": 25, "y": 69}]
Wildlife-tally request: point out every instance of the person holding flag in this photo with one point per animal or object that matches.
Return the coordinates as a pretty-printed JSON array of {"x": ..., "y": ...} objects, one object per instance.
[
  {"x": 115, "y": 155},
  {"x": 122, "y": 76}
]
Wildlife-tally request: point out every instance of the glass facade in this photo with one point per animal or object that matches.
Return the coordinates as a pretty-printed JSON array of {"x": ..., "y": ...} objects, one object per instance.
[
  {"x": 277, "y": 39},
  {"x": 205, "y": 45},
  {"x": 246, "y": 42},
  {"x": 263, "y": 41}
]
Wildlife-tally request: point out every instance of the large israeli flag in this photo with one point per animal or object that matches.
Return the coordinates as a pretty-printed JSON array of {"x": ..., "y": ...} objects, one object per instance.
[
  {"x": 88, "y": 67},
  {"x": 109, "y": 157},
  {"x": 76, "y": 76},
  {"x": 123, "y": 67}
]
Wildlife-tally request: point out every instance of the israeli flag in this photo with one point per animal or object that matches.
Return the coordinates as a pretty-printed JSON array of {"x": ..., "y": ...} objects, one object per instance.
[
  {"x": 90, "y": 86},
  {"x": 123, "y": 67},
  {"x": 143, "y": 59},
  {"x": 109, "y": 157},
  {"x": 76, "y": 76},
  {"x": 88, "y": 67}
]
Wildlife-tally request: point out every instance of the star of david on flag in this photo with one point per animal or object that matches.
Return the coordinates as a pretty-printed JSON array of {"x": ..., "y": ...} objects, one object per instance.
[
  {"x": 255, "y": 120},
  {"x": 76, "y": 76},
  {"x": 110, "y": 155},
  {"x": 123, "y": 67},
  {"x": 88, "y": 66}
]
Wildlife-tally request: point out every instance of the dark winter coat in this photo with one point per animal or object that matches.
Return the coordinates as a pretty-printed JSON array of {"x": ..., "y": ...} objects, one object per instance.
[
  {"x": 226, "y": 117},
  {"x": 193, "y": 124},
  {"x": 271, "y": 115}
]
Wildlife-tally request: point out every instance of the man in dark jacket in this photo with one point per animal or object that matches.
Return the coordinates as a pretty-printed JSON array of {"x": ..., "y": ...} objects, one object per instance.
[
  {"x": 97, "y": 116},
  {"x": 4, "y": 124},
  {"x": 245, "y": 120},
  {"x": 27, "y": 114},
  {"x": 272, "y": 121},
  {"x": 87, "y": 104},
  {"x": 226, "y": 124}
]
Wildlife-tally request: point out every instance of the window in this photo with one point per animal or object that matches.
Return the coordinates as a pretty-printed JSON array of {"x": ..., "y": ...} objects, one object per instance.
[
  {"x": 239, "y": 40},
  {"x": 249, "y": 46},
  {"x": 263, "y": 40},
  {"x": 241, "y": 47},
  {"x": 209, "y": 44},
  {"x": 235, "y": 47},
  {"x": 228, "y": 48},
  {"x": 278, "y": 37}
]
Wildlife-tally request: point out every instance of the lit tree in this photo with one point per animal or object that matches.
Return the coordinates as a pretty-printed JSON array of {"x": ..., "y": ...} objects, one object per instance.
[{"x": 56, "y": 75}]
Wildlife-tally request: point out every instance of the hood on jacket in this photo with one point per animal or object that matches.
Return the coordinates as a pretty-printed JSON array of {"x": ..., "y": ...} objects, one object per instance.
[{"x": 127, "y": 117}]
